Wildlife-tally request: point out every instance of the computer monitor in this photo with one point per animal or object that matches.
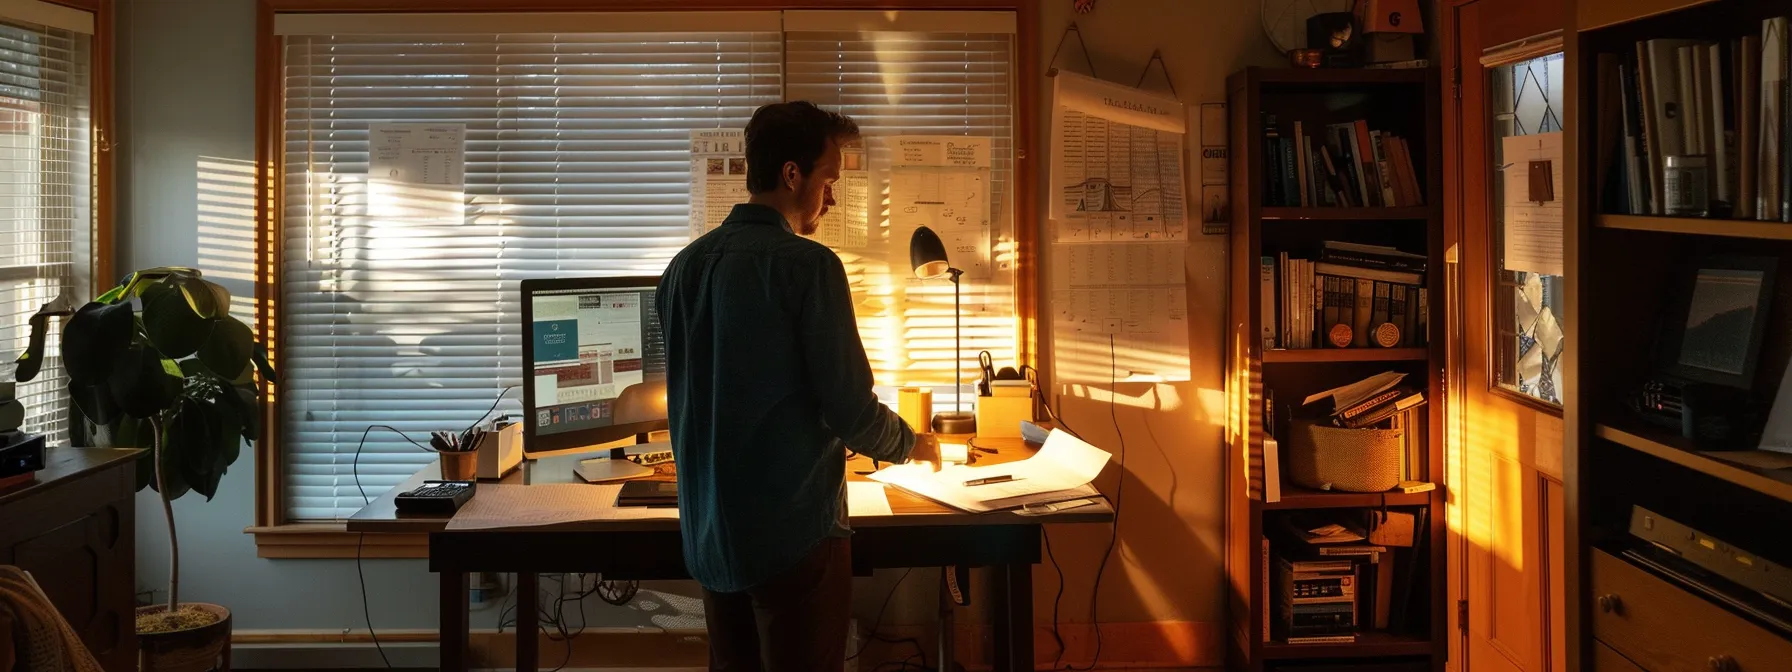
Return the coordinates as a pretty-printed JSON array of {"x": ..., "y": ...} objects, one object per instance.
[{"x": 594, "y": 364}]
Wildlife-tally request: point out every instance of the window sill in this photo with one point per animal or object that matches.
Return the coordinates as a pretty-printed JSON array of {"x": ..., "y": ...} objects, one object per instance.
[
  {"x": 1522, "y": 399},
  {"x": 332, "y": 541}
]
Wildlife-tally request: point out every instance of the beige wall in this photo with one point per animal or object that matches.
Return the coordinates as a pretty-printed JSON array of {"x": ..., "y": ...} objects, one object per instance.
[{"x": 1169, "y": 562}]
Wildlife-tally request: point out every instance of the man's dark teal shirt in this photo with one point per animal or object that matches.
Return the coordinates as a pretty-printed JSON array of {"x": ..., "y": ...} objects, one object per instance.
[{"x": 768, "y": 385}]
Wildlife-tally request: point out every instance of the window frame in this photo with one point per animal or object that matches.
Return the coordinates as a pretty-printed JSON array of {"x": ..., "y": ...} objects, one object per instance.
[
  {"x": 102, "y": 226},
  {"x": 275, "y": 537}
]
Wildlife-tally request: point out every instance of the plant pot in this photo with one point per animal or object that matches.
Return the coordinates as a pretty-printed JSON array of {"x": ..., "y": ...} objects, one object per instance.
[
  {"x": 200, "y": 649},
  {"x": 459, "y": 466}
]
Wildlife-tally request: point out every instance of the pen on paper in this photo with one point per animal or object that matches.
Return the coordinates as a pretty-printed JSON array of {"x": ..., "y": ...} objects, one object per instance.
[{"x": 993, "y": 479}]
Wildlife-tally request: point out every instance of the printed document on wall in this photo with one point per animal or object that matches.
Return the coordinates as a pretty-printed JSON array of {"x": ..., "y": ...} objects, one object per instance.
[
  {"x": 1117, "y": 163},
  {"x": 1129, "y": 295},
  {"x": 418, "y": 154},
  {"x": 942, "y": 182},
  {"x": 1533, "y": 228},
  {"x": 718, "y": 176}
]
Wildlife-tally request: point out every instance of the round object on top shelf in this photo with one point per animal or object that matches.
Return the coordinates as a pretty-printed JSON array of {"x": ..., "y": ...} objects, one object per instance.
[{"x": 1285, "y": 21}]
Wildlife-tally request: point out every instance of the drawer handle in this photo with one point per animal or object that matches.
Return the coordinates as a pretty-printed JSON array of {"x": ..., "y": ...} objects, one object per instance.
[
  {"x": 1722, "y": 663},
  {"x": 1611, "y": 604}
]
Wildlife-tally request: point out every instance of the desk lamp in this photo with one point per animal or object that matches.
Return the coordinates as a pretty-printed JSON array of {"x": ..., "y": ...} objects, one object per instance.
[{"x": 927, "y": 253}]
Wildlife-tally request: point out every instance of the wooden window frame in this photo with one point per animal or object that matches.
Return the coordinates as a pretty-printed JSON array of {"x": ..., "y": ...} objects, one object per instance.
[{"x": 274, "y": 536}]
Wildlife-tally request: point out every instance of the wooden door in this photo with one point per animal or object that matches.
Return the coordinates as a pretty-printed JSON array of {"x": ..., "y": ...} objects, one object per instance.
[{"x": 1504, "y": 422}]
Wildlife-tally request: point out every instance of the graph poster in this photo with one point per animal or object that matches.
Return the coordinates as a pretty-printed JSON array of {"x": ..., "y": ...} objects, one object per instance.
[
  {"x": 718, "y": 176},
  {"x": 1117, "y": 163}
]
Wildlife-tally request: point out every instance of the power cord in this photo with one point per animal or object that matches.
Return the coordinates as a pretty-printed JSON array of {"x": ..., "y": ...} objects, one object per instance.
[
  {"x": 880, "y": 615},
  {"x": 361, "y": 539}
]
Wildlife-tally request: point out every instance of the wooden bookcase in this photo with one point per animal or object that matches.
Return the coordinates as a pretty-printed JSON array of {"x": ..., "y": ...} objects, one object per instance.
[
  {"x": 1408, "y": 103},
  {"x": 1621, "y": 271}
]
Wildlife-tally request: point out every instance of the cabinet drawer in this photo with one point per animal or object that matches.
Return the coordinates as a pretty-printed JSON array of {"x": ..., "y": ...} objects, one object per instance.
[
  {"x": 1665, "y": 629},
  {"x": 1607, "y": 660}
]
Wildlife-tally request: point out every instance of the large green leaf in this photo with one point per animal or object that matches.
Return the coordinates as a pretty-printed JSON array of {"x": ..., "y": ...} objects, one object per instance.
[
  {"x": 171, "y": 321},
  {"x": 239, "y": 401},
  {"x": 191, "y": 431},
  {"x": 129, "y": 432},
  {"x": 94, "y": 339},
  {"x": 206, "y": 298},
  {"x": 141, "y": 386},
  {"x": 32, "y": 359},
  {"x": 95, "y": 401},
  {"x": 228, "y": 349},
  {"x": 261, "y": 364}
]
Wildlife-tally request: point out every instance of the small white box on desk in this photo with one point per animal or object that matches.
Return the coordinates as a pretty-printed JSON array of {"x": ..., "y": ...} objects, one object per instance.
[{"x": 501, "y": 451}]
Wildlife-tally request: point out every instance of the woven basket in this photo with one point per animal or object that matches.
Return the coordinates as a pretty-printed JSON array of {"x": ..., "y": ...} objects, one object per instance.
[{"x": 1347, "y": 460}]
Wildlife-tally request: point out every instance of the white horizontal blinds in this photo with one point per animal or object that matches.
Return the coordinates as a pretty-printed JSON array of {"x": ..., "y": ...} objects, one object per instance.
[
  {"x": 399, "y": 303},
  {"x": 46, "y": 199},
  {"x": 919, "y": 83}
]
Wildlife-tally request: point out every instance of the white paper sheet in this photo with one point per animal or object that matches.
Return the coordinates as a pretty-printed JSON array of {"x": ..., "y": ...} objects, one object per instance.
[
  {"x": 1533, "y": 229},
  {"x": 718, "y": 176},
  {"x": 501, "y": 506},
  {"x": 866, "y": 498},
  {"x": 418, "y": 154},
  {"x": 1132, "y": 292},
  {"x": 1116, "y": 163},
  {"x": 942, "y": 182},
  {"x": 1064, "y": 463},
  {"x": 1216, "y": 170}
]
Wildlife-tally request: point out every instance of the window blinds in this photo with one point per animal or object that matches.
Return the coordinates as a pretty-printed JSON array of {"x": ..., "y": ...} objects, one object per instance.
[
  {"x": 919, "y": 83},
  {"x": 46, "y": 198},
  {"x": 396, "y": 301},
  {"x": 400, "y": 305}
]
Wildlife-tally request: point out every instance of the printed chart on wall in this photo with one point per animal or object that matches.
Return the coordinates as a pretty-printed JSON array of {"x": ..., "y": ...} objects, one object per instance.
[
  {"x": 417, "y": 172},
  {"x": 718, "y": 176},
  {"x": 942, "y": 182},
  {"x": 1120, "y": 228}
]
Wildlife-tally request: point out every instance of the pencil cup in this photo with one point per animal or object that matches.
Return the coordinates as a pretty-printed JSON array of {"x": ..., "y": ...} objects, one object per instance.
[
  {"x": 459, "y": 466},
  {"x": 915, "y": 405}
]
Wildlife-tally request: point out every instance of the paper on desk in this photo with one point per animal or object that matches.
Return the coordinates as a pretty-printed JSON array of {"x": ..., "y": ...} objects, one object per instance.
[
  {"x": 500, "y": 506},
  {"x": 865, "y": 498},
  {"x": 1061, "y": 470}
]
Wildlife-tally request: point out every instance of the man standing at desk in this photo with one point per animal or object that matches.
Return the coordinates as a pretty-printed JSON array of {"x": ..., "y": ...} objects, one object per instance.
[{"x": 768, "y": 387}]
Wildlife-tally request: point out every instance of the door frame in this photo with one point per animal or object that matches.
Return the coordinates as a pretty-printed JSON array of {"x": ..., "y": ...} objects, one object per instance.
[{"x": 1513, "y": 23}]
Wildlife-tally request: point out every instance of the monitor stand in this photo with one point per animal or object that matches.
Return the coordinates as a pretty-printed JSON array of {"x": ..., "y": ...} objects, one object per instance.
[{"x": 614, "y": 467}]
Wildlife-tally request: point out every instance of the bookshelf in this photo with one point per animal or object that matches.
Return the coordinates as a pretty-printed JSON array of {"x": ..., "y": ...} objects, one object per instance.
[
  {"x": 1407, "y": 104},
  {"x": 1624, "y": 266}
]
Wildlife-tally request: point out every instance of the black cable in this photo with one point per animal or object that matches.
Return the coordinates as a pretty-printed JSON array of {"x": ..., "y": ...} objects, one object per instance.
[
  {"x": 366, "y": 612},
  {"x": 1119, "y": 490},
  {"x": 488, "y": 412},
  {"x": 880, "y": 614},
  {"x": 1057, "y": 599}
]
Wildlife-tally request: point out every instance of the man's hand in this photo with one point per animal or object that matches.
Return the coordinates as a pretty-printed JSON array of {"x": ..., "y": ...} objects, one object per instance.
[{"x": 927, "y": 450}]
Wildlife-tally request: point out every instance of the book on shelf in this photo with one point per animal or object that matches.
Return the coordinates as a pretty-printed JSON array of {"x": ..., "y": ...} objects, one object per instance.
[
  {"x": 1340, "y": 298},
  {"x": 1371, "y": 256},
  {"x": 1337, "y": 399},
  {"x": 1266, "y": 284},
  {"x": 1272, "y": 469},
  {"x": 1364, "y": 295},
  {"x": 1348, "y": 165},
  {"x": 1381, "y": 406},
  {"x": 1726, "y": 100}
]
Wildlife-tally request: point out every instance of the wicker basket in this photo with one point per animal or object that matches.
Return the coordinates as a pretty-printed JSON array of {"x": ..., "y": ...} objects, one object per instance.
[{"x": 1347, "y": 460}]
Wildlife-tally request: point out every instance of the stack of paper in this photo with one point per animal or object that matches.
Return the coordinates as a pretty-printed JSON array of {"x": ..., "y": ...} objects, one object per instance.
[{"x": 1060, "y": 471}]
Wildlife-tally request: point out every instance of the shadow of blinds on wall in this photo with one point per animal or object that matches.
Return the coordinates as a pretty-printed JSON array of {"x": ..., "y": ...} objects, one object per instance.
[
  {"x": 919, "y": 73},
  {"x": 46, "y": 190},
  {"x": 399, "y": 302}
]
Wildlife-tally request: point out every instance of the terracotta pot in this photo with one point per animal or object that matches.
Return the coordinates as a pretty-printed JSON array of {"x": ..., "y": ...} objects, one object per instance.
[
  {"x": 200, "y": 649},
  {"x": 460, "y": 466}
]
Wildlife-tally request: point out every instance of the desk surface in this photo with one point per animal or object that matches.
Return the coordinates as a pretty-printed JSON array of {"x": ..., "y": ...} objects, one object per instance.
[
  {"x": 908, "y": 510},
  {"x": 62, "y": 464}
]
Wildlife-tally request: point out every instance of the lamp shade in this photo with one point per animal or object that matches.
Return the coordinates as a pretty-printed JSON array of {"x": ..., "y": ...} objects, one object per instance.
[{"x": 927, "y": 253}]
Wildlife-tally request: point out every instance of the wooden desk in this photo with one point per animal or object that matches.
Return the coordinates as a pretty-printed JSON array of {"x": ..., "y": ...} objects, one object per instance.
[
  {"x": 74, "y": 529},
  {"x": 920, "y": 533}
]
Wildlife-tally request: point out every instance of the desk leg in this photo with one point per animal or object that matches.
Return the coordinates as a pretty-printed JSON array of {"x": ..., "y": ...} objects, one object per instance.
[
  {"x": 454, "y": 622},
  {"x": 528, "y": 623},
  {"x": 1014, "y": 613}
]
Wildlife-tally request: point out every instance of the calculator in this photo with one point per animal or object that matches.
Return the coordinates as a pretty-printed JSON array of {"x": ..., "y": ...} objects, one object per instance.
[{"x": 435, "y": 497}]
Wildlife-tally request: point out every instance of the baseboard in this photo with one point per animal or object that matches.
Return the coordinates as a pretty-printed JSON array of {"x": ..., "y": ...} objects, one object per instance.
[{"x": 1160, "y": 645}]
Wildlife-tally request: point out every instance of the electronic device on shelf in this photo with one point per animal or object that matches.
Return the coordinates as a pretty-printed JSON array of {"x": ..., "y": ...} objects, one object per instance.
[
  {"x": 435, "y": 497},
  {"x": 594, "y": 366},
  {"x": 1707, "y": 352},
  {"x": 1714, "y": 555},
  {"x": 21, "y": 457}
]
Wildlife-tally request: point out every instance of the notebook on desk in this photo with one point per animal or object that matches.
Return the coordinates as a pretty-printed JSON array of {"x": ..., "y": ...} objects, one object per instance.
[{"x": 648, "y": 493}]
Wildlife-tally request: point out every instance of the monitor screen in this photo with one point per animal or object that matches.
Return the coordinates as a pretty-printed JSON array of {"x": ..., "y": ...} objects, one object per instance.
[
  {"x": 594, "y": 362},
  {"x": 1720, "y": 319}
]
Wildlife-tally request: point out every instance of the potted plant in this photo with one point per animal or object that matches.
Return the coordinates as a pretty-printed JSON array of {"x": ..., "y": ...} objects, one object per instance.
[{"x": 159, "y": 363}]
